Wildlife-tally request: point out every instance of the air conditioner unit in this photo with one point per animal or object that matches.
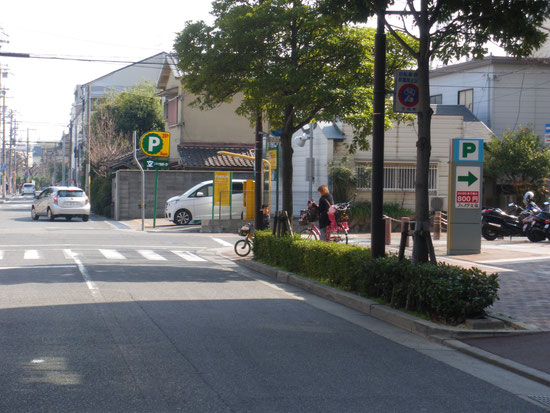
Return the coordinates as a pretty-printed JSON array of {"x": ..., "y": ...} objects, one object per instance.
[{"x": 438, "y": 203}]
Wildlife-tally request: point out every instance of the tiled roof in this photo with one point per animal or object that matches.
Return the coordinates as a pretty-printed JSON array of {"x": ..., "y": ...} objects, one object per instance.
[{"x": 205, "y": 156}]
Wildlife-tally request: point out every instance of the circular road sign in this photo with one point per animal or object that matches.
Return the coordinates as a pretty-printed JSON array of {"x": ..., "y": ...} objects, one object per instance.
[
  {"x": 156, "y": 144},
  {"x": 408, "y": 95}
]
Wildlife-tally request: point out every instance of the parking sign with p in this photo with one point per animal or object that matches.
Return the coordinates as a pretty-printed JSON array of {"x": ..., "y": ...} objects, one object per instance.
[{"x": 156, "y": 144}]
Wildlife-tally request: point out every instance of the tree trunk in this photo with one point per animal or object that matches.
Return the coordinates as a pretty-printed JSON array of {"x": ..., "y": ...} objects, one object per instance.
[
  {"x": 286, "y": 145},
  {"x": 423, "y": 146}
]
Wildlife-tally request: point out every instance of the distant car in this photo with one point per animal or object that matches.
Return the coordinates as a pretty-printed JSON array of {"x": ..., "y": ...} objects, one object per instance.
[
  {"x": 61, "y": 201},
  {"x": 28, "y": 189},
  {"x": 196, "y": 203}
]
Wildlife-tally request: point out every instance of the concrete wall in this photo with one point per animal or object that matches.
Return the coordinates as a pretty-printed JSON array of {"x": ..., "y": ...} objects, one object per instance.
[{"x": 127, "y": 190}]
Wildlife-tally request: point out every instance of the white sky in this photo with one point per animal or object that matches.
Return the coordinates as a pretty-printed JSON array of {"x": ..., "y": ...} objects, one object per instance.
[{"x": 41, "y": 92}]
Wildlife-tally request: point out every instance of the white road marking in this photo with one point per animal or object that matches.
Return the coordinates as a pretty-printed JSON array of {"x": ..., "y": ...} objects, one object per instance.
[
  {"x": 27, "y": 267},
  {"x": 151, "y": 255},
  {"x": 31, "y": 255},
  {"x": 512, "y": 260},
  {"x": 112, "y": 254},
  {"x": 1, "y": 254},
  {"x": 222, "y": 242},
  {"x": 89, "y": 283},
  {"x": 188, "y": 256}
]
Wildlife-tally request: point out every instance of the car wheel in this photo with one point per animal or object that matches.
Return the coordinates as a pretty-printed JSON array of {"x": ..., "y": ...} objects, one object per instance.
[
  {"x": 34, "y": 215},
  {"x": 182, "y": 217},
  {"x": 85, "y": 218},
  {"x": 51, "y": 216},
  {"x": 68, "y": 217}
]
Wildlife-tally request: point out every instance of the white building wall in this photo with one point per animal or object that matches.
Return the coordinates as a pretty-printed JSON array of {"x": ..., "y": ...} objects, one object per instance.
[{"x": 479, "y": 79}]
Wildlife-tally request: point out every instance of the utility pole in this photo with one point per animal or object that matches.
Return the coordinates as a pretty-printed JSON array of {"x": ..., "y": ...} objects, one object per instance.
[
  {"x": 3, "y": 91},
  {"x": 377, "y": 221},
  {"x": 88, "y": 102},
  {"x": 63, "y": 163},
  {"x": 27, "y": 152}
]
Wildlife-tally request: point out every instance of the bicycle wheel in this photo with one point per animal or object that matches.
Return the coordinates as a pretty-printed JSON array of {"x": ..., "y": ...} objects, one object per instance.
[
  {"x": 309, "y": 233},
  {"x": 242, "y": 247},
  {"x": 341, "y": 235}
]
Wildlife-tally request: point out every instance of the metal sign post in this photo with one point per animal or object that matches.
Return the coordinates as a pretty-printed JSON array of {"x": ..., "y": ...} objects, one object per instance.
[
  {"x": 465, "y": 190},
  {"x": 142, "y": 184}
]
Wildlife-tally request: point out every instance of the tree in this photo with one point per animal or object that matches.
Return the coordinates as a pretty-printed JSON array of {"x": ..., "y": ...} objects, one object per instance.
[
  {"x": 135, "y": 109},
  {"x": 114, "y": 120},
  {"x": 520, "y": 159},
  {"x": 447, "y": 30},
  {"x": 289, "y": 62}
]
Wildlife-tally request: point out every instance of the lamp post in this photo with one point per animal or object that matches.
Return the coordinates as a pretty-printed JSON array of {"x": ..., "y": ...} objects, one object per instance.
[{"x": 301, "y": 141}]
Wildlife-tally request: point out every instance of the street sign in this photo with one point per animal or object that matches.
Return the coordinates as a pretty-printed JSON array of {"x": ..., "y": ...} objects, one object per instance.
[
  {"x": 468, "y": 150},
  {"x": 467, "y": 186},
  {"x": 406, "y": 92},
  {"x": 155, "y": 164},
  {"x": 3, "y": 167},
  {"x": 156, "y": 144}
]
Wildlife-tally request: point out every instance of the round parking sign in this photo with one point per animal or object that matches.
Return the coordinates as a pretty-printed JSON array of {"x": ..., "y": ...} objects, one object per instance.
[
  {"x": 156, "y": 143},
  {"x": 408, "y": 95}
]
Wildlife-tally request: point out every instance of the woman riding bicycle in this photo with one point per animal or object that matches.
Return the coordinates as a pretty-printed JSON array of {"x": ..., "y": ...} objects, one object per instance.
[{"x": 324, "y": 204}]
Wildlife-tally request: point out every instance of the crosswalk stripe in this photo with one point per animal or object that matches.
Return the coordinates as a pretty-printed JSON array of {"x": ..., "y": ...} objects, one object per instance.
[
  {"x": 188, "y": 256},
  {"x": 112, "y": 254},
  {"x": 31, "y": 255},
  {"x": 151, "y": 255},
  {"x": 222, "y": 242},
  {"x": 1, "y": 255}
]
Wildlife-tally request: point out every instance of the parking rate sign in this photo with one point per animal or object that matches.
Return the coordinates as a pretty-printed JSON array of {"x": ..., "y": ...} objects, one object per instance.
[{"x": 156, "y": 144}]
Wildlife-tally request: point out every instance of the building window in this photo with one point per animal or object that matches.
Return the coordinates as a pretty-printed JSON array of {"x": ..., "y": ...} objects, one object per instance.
[
  {"x": 171, "y": 111},
  {"x": 466, "y": 98},
  {"x": 436, "y": 99},
  {"x": 398, "y": 177}
]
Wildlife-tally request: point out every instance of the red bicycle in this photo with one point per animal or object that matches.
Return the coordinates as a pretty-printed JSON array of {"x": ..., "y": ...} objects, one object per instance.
[{"x": 338, "y": 229}]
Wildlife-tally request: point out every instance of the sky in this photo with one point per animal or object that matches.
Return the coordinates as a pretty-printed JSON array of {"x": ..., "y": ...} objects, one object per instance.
[{"x": 40, "y": 92}]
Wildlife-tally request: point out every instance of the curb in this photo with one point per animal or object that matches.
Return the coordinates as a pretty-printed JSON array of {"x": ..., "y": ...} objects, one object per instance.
[{"x": 447, "y": 336}]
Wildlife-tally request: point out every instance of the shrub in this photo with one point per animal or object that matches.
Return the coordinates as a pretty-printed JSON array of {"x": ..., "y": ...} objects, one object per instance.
[
  {"x": 100, "y": 196},
  {"x": 440, "y": 291}
]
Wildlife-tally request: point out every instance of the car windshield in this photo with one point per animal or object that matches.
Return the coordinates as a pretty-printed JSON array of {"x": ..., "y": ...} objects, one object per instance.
[
  {"x": 28, "y": 185},
  {"x": 70, "y": 193}
]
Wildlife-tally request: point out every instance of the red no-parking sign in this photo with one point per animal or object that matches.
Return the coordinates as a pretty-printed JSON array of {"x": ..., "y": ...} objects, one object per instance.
[{"x": 406, "y": 92}]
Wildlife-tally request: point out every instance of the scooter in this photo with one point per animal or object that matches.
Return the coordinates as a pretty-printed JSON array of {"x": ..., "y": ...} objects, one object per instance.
[
  {"x": 537, "y": 228},
  {"x": 497, "y": 223}
]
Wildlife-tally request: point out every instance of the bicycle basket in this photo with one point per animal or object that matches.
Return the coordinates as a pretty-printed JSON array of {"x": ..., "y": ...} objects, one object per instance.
[
  {"x": 313, "y": 212},
  {"x": 304, "y": 217},
  {"x": 341, "y": 215},
  {"x": 244, "y": 230}
]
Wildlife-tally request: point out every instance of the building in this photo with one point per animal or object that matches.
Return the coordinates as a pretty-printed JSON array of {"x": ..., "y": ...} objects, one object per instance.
[
  {"x": 85, "y": 96},
  {"x": 502, "y": 92}
]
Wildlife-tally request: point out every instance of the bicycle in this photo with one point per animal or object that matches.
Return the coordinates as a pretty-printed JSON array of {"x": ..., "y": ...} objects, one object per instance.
[
  {"x": 338, "y": 229},
  {"x": 244, "y": 246}
]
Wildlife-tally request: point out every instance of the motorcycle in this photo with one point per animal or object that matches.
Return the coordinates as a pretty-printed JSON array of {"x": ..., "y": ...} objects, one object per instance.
[
  {"x": 497, "y": 223},
  {"x": 537, "y": 226}
]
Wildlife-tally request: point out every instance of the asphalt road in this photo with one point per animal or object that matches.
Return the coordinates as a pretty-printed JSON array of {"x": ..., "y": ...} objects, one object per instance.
[{"x": 94, "y": 318}]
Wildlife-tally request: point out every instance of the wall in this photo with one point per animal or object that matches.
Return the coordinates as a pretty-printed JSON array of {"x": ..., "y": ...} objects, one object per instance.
[{"x": 127, "y": 190}]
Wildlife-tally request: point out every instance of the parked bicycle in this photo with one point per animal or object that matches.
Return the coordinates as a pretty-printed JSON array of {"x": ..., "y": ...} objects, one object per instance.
[
  {"x": 244, "y": 246},
  {"x": 338, "y": 229}
]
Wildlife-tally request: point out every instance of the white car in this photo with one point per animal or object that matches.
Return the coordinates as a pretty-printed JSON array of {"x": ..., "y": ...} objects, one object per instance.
[
  {"x": 196, "y": 204},
  {"x": 61, "y": 201},
  {"x": 28, "y": 189}
]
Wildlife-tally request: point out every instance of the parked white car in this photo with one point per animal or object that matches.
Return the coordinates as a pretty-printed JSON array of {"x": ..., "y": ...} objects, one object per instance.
[
  {"x": 196, "y": 204},
  {"x": 61, "y": 201}
]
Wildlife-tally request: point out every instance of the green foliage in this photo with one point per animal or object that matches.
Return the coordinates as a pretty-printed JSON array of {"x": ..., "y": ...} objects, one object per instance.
[
  {"x": 519, "y": 159},
  {"x": 135, "y": 109},
  {"x": 343, "y": 180},
  {"x": 361, "y": 211},
  {"x": 439, "y": 291},
  {"x": 100, "y": 196}
]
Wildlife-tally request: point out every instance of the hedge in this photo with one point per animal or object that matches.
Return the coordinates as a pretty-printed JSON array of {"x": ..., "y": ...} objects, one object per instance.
[{"x": 441, "y": 292}]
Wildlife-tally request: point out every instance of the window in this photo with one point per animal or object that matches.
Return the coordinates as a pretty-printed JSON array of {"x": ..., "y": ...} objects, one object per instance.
[
  {"x": 171, "y": 111},
  {"x": 466, "y": 98},
  {"x": 237, "y": 187},
  {"x": 206, "y": 190},
  {"x": 397, "y": 177},
  {"x": 436, "y": 99},
  {"x": 70, "y": 193}
]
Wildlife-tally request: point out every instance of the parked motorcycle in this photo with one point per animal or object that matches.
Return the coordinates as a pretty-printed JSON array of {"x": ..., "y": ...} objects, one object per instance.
[
  {"x": 537, "y": 226},
  {"x": 497, "y": 223}
]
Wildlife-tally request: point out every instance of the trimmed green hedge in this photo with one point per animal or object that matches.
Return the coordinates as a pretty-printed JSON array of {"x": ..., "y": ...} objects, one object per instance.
[{"x": 439, "y": 291}]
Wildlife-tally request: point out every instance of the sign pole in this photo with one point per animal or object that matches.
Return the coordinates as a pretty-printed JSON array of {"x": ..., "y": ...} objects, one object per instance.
[
  {"x": 155, "y": 204},
  {"x": 142, "y": 184}
]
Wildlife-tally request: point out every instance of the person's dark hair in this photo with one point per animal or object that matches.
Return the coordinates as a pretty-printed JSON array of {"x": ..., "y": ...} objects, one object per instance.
[{"x": 323, "y": 190}]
